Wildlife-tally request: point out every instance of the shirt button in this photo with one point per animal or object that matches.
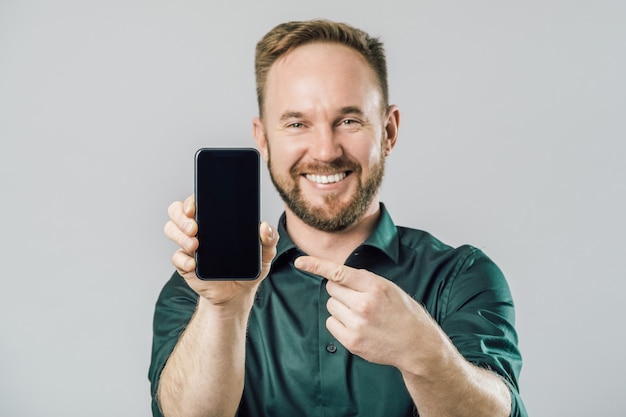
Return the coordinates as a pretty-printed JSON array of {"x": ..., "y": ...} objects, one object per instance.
[{"x": 330, "y": 348}]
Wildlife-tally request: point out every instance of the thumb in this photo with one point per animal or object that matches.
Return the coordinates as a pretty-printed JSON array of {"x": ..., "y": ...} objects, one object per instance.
[{"x": 269, "y": 240}]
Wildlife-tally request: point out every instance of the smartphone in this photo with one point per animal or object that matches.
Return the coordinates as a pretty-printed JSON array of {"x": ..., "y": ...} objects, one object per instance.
[{"x": 227, "y": 188}]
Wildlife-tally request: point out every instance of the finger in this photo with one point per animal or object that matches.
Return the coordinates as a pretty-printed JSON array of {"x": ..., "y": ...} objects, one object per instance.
[
  {"x": 332, "y": 271},
  {"x": 269, "y": 239},
  {"x": 187, "y": 243},
  {"x": 189, "y": 206},
  {"x": 345, "y": 295},
  {"x": 337, "y": 329},
  {"x": 183, "y": 262},
  {"x": 339, "y": 310},
  {"x": 324, "y": 268},
  {"x": 183, "y": 221}
]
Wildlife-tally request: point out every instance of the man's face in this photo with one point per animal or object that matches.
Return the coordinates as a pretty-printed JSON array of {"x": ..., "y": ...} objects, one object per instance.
[{"x": 324, "y": 134}]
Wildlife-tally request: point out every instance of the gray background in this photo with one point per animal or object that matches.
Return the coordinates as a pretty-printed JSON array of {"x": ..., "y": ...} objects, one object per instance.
[{"x": 512, "y": 139}]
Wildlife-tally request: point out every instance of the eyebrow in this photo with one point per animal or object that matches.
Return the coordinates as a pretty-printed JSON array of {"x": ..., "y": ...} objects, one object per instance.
[
  {"x": 352, "y": 110},
  {"x": 291, "y": 115},
  {"x": 344, "y": 110}
]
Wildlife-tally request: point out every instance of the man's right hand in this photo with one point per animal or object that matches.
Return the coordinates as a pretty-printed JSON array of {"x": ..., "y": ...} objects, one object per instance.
[{"x": 182, "y": 229}]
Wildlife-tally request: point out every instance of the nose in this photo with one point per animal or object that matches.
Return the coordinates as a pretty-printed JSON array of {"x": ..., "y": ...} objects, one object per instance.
[{"x": 326, "y": 146}]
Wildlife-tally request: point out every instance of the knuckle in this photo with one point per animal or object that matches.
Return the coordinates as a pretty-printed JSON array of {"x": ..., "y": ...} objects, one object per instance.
[
  {"x": 166, "y": 228},
  {"x": 173, "y": 233},
  {"x": 338, "y": 274},
  {"x": 172, "y": 208},
  {"x": 330, "y": 305},
  {"x": 363, "y": 307},
  {"x": 378, "y": 289},
  {"x": 181, "y": 261},
  {"x": 176, "y": 259},
  {"x": 191, "y": 228},
  {"x": 170, "y": 230}
]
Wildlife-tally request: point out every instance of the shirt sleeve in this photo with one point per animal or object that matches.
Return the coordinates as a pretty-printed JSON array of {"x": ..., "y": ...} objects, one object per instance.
[
  {"x": 174, "y": 308},
  {"x": 479, "y": 318}
]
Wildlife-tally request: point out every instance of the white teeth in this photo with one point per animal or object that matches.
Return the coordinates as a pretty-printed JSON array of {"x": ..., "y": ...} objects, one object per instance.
[{"x": 326, "y": 179}]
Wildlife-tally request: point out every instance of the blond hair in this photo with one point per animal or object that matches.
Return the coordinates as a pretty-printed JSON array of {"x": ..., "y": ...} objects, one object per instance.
[{"x": 287, "y": 36}]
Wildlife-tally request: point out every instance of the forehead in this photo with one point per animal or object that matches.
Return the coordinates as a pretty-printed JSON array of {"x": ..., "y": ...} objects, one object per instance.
[
  {"x": 311, "y": 52},
  {"x": 321, "y": 72}
]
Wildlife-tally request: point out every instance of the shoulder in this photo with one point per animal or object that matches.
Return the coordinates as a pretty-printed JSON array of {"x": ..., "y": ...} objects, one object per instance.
[
  {"x": 415, "y": 242},
  {"x": 461, "y": 270}
]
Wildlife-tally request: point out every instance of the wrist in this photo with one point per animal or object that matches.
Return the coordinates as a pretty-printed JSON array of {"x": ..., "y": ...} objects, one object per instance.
[
  {"x": 434, "y": 361},
  {"x": 235, "y": 307}
]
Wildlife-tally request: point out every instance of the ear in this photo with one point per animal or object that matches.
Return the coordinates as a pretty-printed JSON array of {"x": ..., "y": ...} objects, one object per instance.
[
  {"x": 259, "y": 137},
  {"x": 392, "y": 124}
]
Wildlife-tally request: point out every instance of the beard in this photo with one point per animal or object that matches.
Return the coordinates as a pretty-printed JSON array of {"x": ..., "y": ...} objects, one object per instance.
[{"x": 334, "y": 215}]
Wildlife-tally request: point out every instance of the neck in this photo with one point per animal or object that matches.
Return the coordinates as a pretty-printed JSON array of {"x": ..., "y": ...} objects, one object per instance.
[{"x": 334, "y": 246}]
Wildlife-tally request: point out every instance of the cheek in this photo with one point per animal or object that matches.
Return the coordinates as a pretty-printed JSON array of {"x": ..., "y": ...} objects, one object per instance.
[
  {"x": 374, "y": 153},
  {"x": 280, "y": 164},
  {"x": 286, "y": 153}
]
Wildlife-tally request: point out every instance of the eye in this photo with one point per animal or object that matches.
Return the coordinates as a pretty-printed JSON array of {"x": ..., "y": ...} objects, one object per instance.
[
  {"x": 296, "y": 125},
  {"x": 350, "y": 124}
]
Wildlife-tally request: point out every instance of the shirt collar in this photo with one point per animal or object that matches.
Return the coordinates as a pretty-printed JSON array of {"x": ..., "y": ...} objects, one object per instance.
[
  {"x": 285, "y": 243},
  {"x": 384, "y": 237}
]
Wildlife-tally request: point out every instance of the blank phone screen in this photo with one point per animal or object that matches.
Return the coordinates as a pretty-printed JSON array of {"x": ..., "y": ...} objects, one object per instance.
[{"x": 228, "y": 214}]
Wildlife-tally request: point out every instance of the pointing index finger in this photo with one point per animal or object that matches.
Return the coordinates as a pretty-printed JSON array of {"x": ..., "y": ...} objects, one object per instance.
[{"x": 341, "y": 274}]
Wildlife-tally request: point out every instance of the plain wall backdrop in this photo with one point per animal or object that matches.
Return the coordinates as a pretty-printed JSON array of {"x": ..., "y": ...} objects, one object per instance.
[{"x": 512, "y": 139}]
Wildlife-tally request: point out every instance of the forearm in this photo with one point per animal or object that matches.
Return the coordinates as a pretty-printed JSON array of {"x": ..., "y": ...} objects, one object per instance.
[
  {"x": 205, "y": 372},
  {"x": 454, "y": 387}
]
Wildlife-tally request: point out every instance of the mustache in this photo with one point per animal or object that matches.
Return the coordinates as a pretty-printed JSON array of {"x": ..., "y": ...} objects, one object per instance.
[{"x": 340, "y": 164}]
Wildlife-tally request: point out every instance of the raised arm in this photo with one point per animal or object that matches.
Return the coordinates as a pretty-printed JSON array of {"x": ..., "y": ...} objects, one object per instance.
[{"x": 204, "y": 374}]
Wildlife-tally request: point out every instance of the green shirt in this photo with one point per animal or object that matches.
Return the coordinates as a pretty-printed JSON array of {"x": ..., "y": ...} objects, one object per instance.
[{"x": 294, "y": 366}]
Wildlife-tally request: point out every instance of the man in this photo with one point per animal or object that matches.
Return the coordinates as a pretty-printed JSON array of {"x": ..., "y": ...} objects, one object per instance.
[{"x": 351, "y": 316}]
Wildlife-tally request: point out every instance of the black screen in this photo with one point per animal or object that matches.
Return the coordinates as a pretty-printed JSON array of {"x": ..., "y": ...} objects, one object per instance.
[{"x": 227, "y": 212}]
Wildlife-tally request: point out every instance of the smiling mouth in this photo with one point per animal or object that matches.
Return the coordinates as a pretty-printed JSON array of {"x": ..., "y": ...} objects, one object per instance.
[{"x": 327, "y": 179}]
